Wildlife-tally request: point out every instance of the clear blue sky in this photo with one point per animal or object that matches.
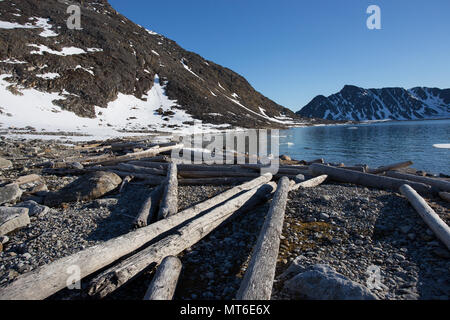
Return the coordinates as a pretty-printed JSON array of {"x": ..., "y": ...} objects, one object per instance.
[{"x": 293, "y": 50}]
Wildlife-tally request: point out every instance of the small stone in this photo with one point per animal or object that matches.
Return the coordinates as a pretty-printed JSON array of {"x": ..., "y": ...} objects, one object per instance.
[
  {"x": 442, "y": 253},
  {"x": 4, "y": 239},
  {"x": 411, "y": 236},
  {"x": 27, "y": 256},
  {"x": 405, "y": 229},
  {"x": 34, "y": 209},
  {"x": 12, "y": 219},
  {"x": 324, "y": 216},
  {"x": 10, "y": 193},
  {"x": 5, "y": 164}
]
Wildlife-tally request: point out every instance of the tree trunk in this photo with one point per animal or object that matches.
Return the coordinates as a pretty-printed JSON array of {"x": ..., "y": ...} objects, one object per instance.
[
  {"x": 149, "y": 208},
  {"x": 439, "y": 227},
  {"x": 311, "y": 183},
  {"x": 135, "y": 169},
  {"x": 435, "y": 183},
  {"x": 258, "y": 280},
  {"x": 49, "y": 279},
  {"x": 391, "y": 167},
  {"x": 175, "y": 243},
  {"x": 212, "y": 181},
  {"x": 209, "y": 174},
  {"x": 169, "y": 202},
  {"x": 165, "y": 280},
  {"x": 367, "y": 179}
]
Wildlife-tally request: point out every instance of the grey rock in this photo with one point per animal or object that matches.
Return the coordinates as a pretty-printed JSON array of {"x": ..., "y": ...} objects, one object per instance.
[
  {"x": 34, "y": 209},
  {"x": 12, "y": 219},
  {"x": 4, "y": 239},
  {"x": 88, "y": 187},
  {"x": 10, "y": 193},
  {"x": 5, "y": 164},
  {"x": 322, "y": 282},
  {"x": 324, "y": 216}
]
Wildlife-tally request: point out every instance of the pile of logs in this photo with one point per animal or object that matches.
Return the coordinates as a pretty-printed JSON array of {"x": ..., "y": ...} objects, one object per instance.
[{"x": 161, "y": 232}]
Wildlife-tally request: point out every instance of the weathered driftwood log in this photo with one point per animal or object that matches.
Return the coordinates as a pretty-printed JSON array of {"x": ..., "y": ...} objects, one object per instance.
[
  {"x": 357, "y": 168},
  {"x": 445, "y": 196},
  {"x": 258, "y": 279},
  {"x": 311, "y": 183},
  {"x": 169, "y": 202},
  {"x": 138, "y": 155},
  {"x": 212, "y": 181},
  {"x": 435, "y": 183},
  {"x": 175, "y": 243},
  {"x": 136, "y": 169},
  {"x": 149, "y": 178},
  {"x": 391, "y": 167},
  {"x": 149, "y": 208},
  {"x": 367, "y": 179},
  {"x": 439, "y": 227},
  {"x": 49, "y": 279},
  {"x": 165, "y": 280},
  {"x": 132, "y": 145},
  {"x": 209, "y": 174}
]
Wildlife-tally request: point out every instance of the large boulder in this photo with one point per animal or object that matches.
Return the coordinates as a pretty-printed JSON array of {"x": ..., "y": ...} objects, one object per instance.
[
  {"x": 88, "y": 187},
  {"x": 10, "y": 193},
  {"x": 5, "y": 164},
  {"x": 322, "y": 282},
  {"x": 12, "y": 219}
]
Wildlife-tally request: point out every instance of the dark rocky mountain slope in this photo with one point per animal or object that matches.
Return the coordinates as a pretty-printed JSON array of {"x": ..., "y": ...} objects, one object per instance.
[
  {"x": 111, "y": 60},
  {"x": 354, "y": 103}
]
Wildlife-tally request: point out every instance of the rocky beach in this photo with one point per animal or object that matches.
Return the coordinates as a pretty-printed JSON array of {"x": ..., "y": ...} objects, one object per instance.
[{"x": 336, "y": 237}]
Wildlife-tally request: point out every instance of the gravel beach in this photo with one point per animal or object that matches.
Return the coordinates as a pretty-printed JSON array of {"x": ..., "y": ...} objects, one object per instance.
[{"x": 350, "y": 228}]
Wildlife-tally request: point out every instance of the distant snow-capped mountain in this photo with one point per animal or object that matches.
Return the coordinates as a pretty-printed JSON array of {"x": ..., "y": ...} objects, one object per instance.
[
  {"x": 358, "y": 104},
  {"x": 114, "y": 75}
]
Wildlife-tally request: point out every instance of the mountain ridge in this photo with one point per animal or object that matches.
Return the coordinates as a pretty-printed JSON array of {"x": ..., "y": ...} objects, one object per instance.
[
  {"x": 389, "y": 103},
  {"x": 112, "y": 60}
]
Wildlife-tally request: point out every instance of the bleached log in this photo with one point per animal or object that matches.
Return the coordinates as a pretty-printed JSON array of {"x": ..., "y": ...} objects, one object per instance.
[
  {"x": 169, "y": 202},
  {"x": 257, "y": 283},
  {"x": 150, "y": 179},
  {"x": 394, "y": 166},
  {"x": 165, "y": 280},
  {"x": 435, "y": 183},
  {"x": 209, "y": 174},
  {"x": 138, "y": 155},
  {"x": 311, "y": 183},
  {"x": 175, "y": 243},
  {"x": 367, "y": 179},
  {"x": 136, "y": 169},
  {"x": 439, "y": 227},
  {"x": 212, "y": 181},
  {"x": 357, "y": 168},
  {"x": 445, "y": 196},
  {"x": 149, "y": 208},
  {"x": 320, "y": 160},
  {"x": 51, "y": 278}
]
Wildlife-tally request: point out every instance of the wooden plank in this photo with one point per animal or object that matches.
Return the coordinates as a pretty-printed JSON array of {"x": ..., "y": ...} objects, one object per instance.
[{"x": 169, "y": 202}]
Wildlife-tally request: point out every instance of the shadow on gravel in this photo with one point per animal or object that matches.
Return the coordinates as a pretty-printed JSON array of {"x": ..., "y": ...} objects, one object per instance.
[
  {"x": 417, "y": 271},
  {"x": 122, "y": 216}
]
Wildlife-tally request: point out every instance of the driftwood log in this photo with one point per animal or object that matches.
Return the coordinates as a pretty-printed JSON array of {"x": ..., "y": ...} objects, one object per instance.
[
  {"x": 439, "y": 227},
  {"x": 175, "y": 243},
  {"x": 135, "y": 169},
  {"x": 367, "y": 179},
  {"x": 149, "y": 208},
  {"x": 394, "y": 166},
  {"x": 169, "y": 202},
  {"x": 165, "y": 280},
  {"x": 311, "y": 183},
  {"x": 445, "y": 196},
  {"x": 257, "y": 283},
  {"x": 51, "y": 278},
  {"x": 435, "y": 183}
]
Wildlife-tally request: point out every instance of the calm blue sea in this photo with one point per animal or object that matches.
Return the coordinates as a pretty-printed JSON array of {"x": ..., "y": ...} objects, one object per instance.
[{"x": 373, "y": 144}]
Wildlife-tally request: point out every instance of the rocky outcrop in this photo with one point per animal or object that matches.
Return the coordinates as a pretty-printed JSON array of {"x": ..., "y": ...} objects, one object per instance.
[
  {"x": 112, "y": 56},
  {"x": 354, "y": 103}
]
